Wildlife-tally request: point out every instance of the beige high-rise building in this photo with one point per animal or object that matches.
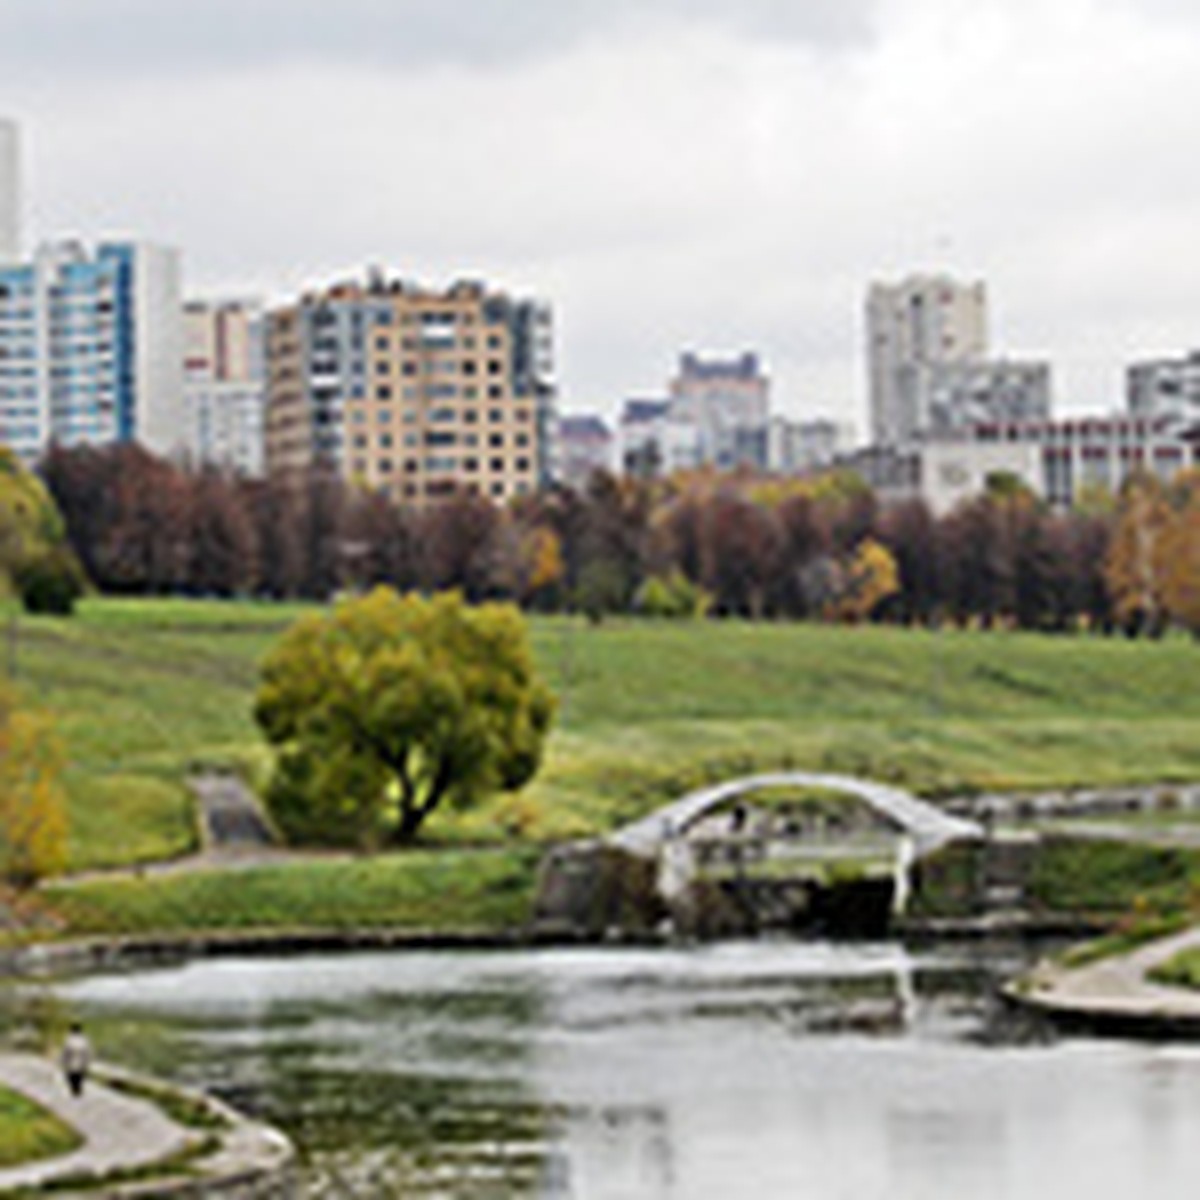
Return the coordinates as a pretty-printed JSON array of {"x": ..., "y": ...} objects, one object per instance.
[
  {"x": 922, "y": 322},
  {"x": 412, "y": 392}
]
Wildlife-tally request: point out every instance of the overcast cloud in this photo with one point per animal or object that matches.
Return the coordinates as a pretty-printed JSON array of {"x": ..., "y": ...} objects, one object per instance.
[{"x": 714, "y": 174}]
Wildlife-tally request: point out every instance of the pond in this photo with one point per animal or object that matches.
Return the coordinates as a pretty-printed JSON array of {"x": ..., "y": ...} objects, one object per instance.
[{"x": 766, "y": 1069}]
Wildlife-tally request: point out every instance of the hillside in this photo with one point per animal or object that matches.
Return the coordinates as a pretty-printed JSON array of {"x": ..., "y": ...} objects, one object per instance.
[{"x": 145, "y": 690}]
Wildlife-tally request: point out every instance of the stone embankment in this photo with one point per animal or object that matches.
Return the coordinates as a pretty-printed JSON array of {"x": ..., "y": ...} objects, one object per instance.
[{"x": 132, "y": 1146}]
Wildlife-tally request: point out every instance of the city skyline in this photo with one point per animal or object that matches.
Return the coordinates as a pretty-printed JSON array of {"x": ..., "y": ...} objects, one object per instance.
[{"x": 667, "y": 175}]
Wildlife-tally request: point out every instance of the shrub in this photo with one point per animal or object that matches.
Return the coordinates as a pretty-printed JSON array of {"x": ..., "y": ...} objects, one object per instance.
[{"x": 49, "y": 582}]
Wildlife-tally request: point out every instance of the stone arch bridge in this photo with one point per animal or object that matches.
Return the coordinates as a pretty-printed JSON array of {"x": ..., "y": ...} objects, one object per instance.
[{"x": 585, "y": 886}]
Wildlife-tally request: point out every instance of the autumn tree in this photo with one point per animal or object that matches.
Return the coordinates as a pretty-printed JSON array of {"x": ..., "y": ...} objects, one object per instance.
[
  {"x": 222, "y": 546},
  {"x": 33, "y": 827},
  {"x": 1179, "y": 554},
  {"x": 910, "y": 534},
  {"x": 1134, "y": 566},
  {"x": 460, "y": 545},
  {"x": 868, "y": 578},
  {"x": 389, "y": 706},
  {"x": 740, "y": 554}
]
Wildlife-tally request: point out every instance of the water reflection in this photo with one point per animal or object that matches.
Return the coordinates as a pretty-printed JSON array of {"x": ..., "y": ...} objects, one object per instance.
[{"x": 784, "y": 1070}]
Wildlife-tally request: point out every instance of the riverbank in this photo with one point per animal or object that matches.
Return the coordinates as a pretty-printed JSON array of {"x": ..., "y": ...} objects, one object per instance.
[
  {"x": 141, "y": 1137},
  {"x": 1115, "y": 995}
]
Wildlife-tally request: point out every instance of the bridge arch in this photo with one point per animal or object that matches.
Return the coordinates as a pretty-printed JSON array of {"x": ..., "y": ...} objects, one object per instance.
[{"x": 928, "y": 826}]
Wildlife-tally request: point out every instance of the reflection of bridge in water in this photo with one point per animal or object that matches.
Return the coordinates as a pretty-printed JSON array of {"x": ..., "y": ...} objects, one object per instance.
[{"x": 684, "y": 841}]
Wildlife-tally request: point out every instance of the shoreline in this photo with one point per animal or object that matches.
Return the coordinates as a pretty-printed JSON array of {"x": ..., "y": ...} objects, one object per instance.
[
  {"x": 146, "y": 1137},
  {"x": 1114, "y": 997}
]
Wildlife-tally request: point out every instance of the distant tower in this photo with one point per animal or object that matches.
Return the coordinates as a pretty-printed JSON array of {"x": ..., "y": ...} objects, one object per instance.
[
  {"x": 10, "y": 192},
  {"x": 923, "y": 321}
]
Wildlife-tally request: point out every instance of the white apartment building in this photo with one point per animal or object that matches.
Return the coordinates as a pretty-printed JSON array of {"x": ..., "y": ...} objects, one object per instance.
[
  {"x": 225, "y": 383},
  {"x": 924, "y": 321},
  {"x": 794, "y": 447},
  {"x": 1164, "y": 387},
  {"x": 722, "y": 407},
  {"x": 91, "y": 348},
  {"x": 941, "y": 397},
  {"x": 1058, "y": 460},
  {"x": 10, "y": 193}
]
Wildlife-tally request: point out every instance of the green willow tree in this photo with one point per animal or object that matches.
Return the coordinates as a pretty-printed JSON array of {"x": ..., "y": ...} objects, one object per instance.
[{"x": 390, "y": 705}]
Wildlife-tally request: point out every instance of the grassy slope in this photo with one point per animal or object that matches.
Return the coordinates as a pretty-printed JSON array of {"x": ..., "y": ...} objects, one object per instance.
[
  {"x": 481, "y": 890},
  {"x": 143, "y": 689},
  {"x": 28, "y": 1132}
]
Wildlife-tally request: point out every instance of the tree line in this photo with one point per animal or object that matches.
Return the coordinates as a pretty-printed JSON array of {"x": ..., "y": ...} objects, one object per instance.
[{"x": 821, "y": 548}]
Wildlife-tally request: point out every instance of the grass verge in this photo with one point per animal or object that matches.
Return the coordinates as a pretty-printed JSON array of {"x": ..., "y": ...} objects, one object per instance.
[
  {"x": 485, "y": 890},
  {"x": 29, "y": 1133},
  {"x": 1183, "y": 970}
]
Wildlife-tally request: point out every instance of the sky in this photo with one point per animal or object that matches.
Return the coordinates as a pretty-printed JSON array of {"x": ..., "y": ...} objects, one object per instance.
[{"x": 713, "y": 175}]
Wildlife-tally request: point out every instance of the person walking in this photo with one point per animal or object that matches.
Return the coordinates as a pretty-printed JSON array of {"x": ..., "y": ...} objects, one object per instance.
[{"x": 76, "y": 1059}]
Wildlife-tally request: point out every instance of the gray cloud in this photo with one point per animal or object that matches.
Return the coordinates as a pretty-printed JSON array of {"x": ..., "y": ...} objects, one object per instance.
[
  {"x": 164, "y": 36},
  {"x": 668, "y": 174}
]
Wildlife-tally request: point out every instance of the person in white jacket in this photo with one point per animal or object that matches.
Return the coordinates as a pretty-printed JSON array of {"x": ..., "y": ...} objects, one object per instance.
[{"x": 76, "y": 1059}]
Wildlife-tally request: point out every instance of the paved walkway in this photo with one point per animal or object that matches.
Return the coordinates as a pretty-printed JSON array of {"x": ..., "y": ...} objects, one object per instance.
[
  {"x": 1118, "y": 987},
  {"x": 118, "y": 1131},
  {"x": 231, "y": 818}
]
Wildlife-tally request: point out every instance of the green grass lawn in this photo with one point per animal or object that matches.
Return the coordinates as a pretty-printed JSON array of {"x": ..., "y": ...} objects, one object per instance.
[
  {"x": 1181, "y": 971},
  {"x": 485, "y": 891},
  {"x": 28, "y": 1132},
  {"x": 146, "y": 690}
]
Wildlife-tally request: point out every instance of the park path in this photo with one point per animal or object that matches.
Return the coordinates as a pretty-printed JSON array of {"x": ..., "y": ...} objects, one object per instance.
[
  {"x": 119, "y": 1131},
  {"x": 1118, "y": 986}
]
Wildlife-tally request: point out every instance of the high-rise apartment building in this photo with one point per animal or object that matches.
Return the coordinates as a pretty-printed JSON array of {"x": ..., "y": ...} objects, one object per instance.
[
  {"x": 10, "y": 193},
  {"x": 225, "y": 383},
  {"x": 413, "y": 392},
  {"x": 1165, "y": 387},
  {"x": 726, "y": 405},
  {"x": 91, "y": 348},
  {"x": 717, "y": 413},
  {"x": 942, "y": 397},
  {"x": 923, "y": 321}
]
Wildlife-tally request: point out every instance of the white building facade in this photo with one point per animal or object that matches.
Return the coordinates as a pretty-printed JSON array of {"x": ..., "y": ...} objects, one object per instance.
[
  {"x": 722, "y": 408},
  {"x": 91, "y": 348},
  {"x": 225, "y": 383},
  {"x": 1058, "y": 460},
  {"x": 921, "y": 322},
  {"x": 1165, "y": 387},
  {"x": 794, "y": 447}
]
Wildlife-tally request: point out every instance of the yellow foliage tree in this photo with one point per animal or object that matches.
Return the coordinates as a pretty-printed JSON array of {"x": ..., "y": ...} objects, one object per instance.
[
  {"x": 1179, "y": 564},
  {"x": 1133, "y": 570},
  {"x": 543, "y": 554},
  {"x": 870, "y": 578},
  {"x": 33, "y": 826}
]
